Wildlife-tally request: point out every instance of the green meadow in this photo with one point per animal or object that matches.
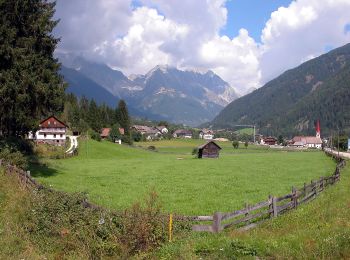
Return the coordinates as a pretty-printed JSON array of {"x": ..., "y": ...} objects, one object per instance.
[{"x": 116, "y": 176}]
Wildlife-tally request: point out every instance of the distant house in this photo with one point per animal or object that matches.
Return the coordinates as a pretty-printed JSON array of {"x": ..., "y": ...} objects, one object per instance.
[
  {"x": 269, "y": 140},
  {"x": 162, "y": 129},
  {"x": 306, "y": 141},
  {"x": 105, "y": 132},
  {"x": 209, "y": 150},
  {"x": 150, "y": 133},
  {"x": 206, "y": 134},
  {"x": 182, "y": 133},
  {"x": 51, "y": 131}
]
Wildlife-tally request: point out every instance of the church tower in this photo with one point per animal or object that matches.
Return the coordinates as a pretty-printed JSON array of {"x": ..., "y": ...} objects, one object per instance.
[{"x": 318, "y": 129}]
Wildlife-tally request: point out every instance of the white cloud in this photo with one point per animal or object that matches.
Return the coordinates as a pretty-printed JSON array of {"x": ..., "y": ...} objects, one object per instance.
[
  {"x": 302, "y": 31},
  {"x": 186, "y": 34}
]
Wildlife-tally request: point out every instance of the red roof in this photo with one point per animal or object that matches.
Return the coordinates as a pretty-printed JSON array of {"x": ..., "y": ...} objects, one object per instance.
[
  {"x": 307, "y": 140},
  {"x": 52, "y": 122},
  {"x": 105, "y": 132}
]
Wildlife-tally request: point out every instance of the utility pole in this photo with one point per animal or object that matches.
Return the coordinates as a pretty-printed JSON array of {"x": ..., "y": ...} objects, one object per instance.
[
  {"x": 338, "y": 141},
  {"x": 252, "y": 126}
]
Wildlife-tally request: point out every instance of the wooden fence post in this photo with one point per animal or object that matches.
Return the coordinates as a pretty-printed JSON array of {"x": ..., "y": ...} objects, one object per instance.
[
  {"x": 274, "y": 207},
  {"x": 321, "y": 184},
  {"x": 270, "y": 206},
  {"x": 304, "y": 189},
  {"x": 294, "y": 197},
  {"x": 217, "y": 222}
]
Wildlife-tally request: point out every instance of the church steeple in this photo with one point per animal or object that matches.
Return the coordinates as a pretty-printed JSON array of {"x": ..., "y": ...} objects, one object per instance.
[{"x": 318, "y": 129}]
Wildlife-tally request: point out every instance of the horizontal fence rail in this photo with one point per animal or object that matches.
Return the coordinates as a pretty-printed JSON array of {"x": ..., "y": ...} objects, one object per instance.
[{"x": 252, "y": 215}]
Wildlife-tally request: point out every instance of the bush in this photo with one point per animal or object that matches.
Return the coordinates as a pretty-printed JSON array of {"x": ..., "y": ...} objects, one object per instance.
[
  {"x": 195, "y": 151},
  {"x": 152, "y": 148},
  {"x": 95, "y": 136},
  {"x": 235, "y": 144},
  {"x": 14, "y": 158},
  {"x": 126, "y": 139}
]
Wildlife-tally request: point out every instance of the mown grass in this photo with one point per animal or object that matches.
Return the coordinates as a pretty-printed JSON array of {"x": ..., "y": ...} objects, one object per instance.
[
  {"x": 116, "y": 176},
  {"x": 317, "y": 230}
]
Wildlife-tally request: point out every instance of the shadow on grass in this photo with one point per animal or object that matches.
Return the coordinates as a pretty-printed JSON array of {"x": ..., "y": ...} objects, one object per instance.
[{"x": 38, "y": 169}]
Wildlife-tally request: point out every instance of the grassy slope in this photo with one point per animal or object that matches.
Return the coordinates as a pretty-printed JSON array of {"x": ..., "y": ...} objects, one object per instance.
[
  {"x": 318, "y": 230},
  {"x": 116, "y": 176}
]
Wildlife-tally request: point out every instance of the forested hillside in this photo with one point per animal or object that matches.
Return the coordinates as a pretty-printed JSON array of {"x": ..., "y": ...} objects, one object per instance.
[{"x": 289, "y": 104}]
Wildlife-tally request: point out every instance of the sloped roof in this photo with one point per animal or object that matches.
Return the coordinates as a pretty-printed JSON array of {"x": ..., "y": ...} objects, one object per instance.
[
  {"x": 52, "y": 122},
  {"x": 183, "y": 131},
  {"x": 105, "y": 132},
  {"x": 306, "y": 140},
  {"x": 204, "y": 145}
]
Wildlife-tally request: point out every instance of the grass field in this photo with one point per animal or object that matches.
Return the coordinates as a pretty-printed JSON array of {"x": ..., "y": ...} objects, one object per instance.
[{"x": 117, "y": 176}]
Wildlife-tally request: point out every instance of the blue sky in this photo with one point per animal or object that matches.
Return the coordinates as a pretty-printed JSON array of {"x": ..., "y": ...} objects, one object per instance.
[{"x": 251, "y": 15}]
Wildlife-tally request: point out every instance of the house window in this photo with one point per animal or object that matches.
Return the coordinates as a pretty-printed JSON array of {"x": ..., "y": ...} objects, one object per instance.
[
  {"x": 61, "y": 135},
  {"x": 49, "y": 123},
  {"x": 54, "y": 136},
  {"x": 44, "y": 135},
  {"x": 54, "y": 122}
]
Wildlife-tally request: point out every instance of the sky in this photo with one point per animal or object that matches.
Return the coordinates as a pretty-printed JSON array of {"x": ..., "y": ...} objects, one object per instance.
[{"x": 246, "y": 42}]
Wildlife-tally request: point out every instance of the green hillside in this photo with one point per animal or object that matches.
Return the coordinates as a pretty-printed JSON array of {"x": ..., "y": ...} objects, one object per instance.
[{"x": 289, "y": 104}]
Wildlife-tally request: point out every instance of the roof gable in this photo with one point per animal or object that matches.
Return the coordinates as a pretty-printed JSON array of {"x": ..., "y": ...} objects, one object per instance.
[
  {"x": 207, "y": 143},
  {"x": 52, "y": 122}
]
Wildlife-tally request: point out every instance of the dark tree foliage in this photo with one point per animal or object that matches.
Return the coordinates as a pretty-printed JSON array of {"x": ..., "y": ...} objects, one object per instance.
[
  {"x": 30, "y": 86},
  {"x": 123, "y": 117}
]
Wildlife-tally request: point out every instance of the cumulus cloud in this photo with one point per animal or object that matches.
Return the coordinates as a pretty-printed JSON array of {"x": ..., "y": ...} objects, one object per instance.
[
  {"x": 302, "y": 31},
  {"x": 186, "y": 34}
]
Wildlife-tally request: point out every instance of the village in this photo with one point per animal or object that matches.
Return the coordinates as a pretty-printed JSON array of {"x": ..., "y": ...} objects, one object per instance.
[{"x": 52, "y": 131}]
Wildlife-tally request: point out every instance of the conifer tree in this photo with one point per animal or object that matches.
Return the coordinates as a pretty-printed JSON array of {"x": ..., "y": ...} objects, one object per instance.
[
  {"x": 30, "y": 86},
  {"x": 123, "y": 117}
]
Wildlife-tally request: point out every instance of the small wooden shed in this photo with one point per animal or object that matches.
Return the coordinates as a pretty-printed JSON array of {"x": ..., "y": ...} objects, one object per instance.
[{"x": 209, "y": 150}]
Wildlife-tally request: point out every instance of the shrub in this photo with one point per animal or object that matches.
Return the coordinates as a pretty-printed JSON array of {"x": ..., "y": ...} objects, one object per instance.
[
  {"x": 95, "y": 136},
  {"x": 195, "y": 151},
  {"x": 14, "y": 158},
  {"x": 143, "y": 228},
  {"x": 235, "y": 144},
  {"x": 152, "y": 148}
]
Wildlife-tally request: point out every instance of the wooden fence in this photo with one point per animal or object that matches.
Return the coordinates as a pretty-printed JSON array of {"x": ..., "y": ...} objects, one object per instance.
[{"x": 252, "y": 215}]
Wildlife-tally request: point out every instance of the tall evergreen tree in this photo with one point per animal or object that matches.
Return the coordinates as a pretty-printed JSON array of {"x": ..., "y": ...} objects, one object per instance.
[
  {"x": 30, "y": 86},
  {"x": 123, "y": 117}
]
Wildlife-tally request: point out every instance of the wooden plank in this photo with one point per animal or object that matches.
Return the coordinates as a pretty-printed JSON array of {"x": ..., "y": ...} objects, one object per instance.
[
  {"x": 245, "y": 219},
  {"x": 247, "y": 210},
  {"x": 203, "y": 218},
  {"x": 234, "y": 214},
  {"x": 288, "y": 196},
  {"x": 202, "y": 228},
  {"x": 307, "y": 197},
  {"x": 285, "y": 206}
]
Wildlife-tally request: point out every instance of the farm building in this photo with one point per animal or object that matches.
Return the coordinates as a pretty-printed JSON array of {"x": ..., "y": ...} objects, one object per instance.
[
  {"x": 182, "y": 133},
  {"x": 51, "y": 131},
  {"x": 105, "y": 132},
  {"x": 206, "y": 134},
  {"x": 149, "y": 132},
  {"x": 269, "y": 140},
  {"x": 209, "y": 150}
]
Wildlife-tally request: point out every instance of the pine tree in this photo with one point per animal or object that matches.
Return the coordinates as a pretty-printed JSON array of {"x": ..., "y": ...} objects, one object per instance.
[
  {"x": 30, "y": 86},
  {"x": 123, "y": 117}
]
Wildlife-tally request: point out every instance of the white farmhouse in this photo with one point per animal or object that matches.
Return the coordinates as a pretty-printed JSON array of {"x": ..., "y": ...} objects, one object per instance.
[
  {"x": 206, "y": 134},
  {"x": 51, "y": 131}
]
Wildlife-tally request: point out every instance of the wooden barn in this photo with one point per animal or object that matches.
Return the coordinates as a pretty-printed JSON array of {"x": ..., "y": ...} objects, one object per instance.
[{"x": 209, "y": 150}]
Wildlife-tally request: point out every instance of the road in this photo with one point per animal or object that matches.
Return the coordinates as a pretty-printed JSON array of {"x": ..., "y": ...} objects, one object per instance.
[
  {"x": 73, "y": 144},
  {"x": 345, "y": 155}
]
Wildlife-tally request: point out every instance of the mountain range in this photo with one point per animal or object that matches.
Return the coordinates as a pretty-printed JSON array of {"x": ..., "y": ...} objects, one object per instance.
[
  {"x": 164, "y": 93},
  {"x": 290, "y": 104}
]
